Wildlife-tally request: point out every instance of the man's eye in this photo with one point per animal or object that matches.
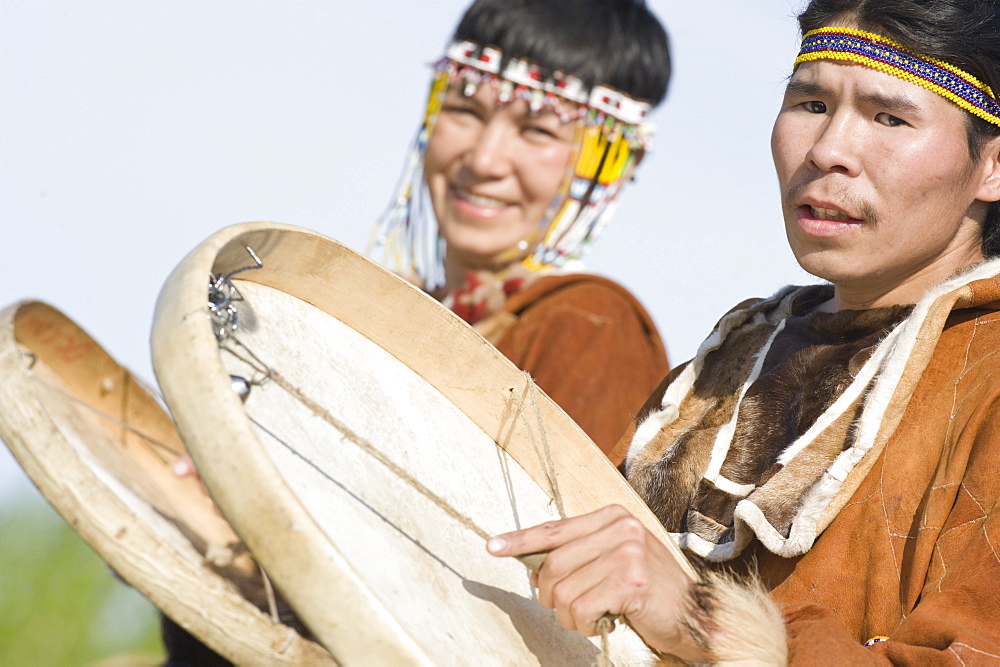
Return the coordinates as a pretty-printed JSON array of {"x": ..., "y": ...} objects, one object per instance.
[
  {"x": 814, "y": 107},
  {"x": 889, "y": 120}
]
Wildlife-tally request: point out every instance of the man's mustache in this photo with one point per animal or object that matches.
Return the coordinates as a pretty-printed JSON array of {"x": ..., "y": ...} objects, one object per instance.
[{"x": 845, "y": 200}]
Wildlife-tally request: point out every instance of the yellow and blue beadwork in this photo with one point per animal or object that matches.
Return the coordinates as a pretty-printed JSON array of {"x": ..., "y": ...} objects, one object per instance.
[
  {"x": 611, "y": 132},
  {"x": 891, "y": 57}
]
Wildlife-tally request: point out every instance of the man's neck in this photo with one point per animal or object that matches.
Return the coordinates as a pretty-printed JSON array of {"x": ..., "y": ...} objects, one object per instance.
[{"x": 876, "y": 293}]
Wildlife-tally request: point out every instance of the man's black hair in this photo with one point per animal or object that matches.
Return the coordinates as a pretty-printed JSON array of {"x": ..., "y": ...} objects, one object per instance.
[
  {"x": 618, "y": 43},
  {"x": 963, "y": 33}
]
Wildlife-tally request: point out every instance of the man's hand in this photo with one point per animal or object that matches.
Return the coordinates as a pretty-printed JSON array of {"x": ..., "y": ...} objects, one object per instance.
[{"x": 606, "y": 562}]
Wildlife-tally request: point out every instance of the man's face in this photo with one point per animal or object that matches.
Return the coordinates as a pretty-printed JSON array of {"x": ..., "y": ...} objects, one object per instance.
[
  {"x": 492, "y": 174},
  {"x": 876, "y": 182}
]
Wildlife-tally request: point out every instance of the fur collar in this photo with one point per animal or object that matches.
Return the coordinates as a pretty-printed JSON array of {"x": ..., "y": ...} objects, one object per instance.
[{"x": 770, "y": 428}]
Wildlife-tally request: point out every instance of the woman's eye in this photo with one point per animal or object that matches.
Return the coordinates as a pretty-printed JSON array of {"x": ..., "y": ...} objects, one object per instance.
[
  {"x": 457, "y": 108},
  {"x": 540, "y": 131},
  {"x": 462, "y": 113},
  {"x": 814, "y": 106},
  {"x": 889, "y": 120}
]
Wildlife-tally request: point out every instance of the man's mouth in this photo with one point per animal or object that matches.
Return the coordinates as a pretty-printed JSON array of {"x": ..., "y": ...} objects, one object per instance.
[
  {"x": 831, "y": 214},
  {"x": 823, "y": 222}
]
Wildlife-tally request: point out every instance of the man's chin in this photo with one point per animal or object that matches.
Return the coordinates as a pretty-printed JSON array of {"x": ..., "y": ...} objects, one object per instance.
[{"x": 825, "y": 266}]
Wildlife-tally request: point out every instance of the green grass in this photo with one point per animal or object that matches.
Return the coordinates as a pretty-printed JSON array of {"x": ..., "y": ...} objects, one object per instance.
[{"x": 59, "y": 602}]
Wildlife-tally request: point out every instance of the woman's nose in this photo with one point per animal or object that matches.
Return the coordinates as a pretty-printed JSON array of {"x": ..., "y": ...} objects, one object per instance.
[{"x": 490, "y": 154}]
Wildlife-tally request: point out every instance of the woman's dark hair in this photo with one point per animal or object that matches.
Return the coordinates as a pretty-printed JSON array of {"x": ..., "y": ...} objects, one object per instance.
[
  {"x": 963, "y": 33},
  {"x": 617, "y": 43}
]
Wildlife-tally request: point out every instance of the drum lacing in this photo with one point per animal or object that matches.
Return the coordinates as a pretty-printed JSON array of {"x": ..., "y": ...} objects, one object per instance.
[
  {"x": 233, "y": 345},
  {"x": 155, "y": 445},
  {"x": 606, "y": 623},
  {"x": 222, "y": 294}
]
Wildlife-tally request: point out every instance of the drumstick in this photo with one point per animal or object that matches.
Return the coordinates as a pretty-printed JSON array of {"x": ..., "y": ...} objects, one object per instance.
[{"x": 533, "y": 561}]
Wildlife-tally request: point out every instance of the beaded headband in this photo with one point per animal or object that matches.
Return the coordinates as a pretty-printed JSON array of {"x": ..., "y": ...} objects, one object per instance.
[
  {"x": 611, "y": 131},
  {"x": 476, "y": 65},
  {"x": 891, "y": 57}
]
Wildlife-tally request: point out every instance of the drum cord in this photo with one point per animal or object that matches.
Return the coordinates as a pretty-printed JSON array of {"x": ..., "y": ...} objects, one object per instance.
[
  {"x": 546, "y": 454},
  {"x": 605, "y": 625},
  {"x": 156, "y": 446},
  {"x": 248, "y": 357}
]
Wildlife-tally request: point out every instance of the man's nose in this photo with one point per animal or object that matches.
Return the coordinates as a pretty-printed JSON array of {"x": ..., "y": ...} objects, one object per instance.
[{"x": 837, "y": 146}]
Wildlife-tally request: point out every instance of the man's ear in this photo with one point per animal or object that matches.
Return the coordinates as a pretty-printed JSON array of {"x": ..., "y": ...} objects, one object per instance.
[{"x": 989, "y": 188}]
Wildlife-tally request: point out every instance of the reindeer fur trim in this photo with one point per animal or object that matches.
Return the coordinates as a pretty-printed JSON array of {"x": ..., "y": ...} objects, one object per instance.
[
  {"x": 678, "y": 451},
  {"x": 749, "y": 626},
  {"x": 741, "y": 624}
]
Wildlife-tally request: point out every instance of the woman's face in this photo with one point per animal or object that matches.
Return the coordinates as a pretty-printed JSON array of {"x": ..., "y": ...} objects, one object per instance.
[{"x": 492, "y": 174}]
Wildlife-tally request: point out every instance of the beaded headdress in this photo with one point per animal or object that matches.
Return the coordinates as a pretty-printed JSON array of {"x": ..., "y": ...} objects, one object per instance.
[
  {"x": 891, "y": 57},
  {"x": 611, "y": 130}
]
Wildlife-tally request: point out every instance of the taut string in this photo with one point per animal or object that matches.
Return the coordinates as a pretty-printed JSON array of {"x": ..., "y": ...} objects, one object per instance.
[
  {"x": 605, "y": 625},
  {"x": 545, "y": 455},
  {"x": 226, "y": 334},
  {"x": 272, "y": 375},
  {"x": 155, "y": 445}
]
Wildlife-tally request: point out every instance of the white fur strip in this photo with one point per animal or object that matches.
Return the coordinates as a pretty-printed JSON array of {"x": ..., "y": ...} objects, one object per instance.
[
  {"x": 899, "y": 347},
  {"x": 886, "y": 368},
  {"x": 732, "y": 488},
  {"x": 724, "y": 438},
  {"x": 683, "y": 383}
]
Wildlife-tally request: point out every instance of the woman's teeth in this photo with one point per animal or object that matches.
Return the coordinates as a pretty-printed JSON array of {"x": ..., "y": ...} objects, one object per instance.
[{"x": 485, "y": 202}]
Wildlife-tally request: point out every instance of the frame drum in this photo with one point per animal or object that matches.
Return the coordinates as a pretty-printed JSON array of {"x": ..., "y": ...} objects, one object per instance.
[
  {"x": 381, "y": 441},
  {"x": 100, "y": 448}
]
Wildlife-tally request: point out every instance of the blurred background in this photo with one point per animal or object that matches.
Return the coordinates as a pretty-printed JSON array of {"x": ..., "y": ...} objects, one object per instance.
[{"x": 130, "y": 131}]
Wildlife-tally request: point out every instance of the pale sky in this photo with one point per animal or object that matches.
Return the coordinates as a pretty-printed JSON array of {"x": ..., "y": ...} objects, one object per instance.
[{"x": 130, "y": 130}]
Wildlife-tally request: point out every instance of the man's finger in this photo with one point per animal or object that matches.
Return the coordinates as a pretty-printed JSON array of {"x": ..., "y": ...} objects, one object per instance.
[{"x": 551, "y": 534}]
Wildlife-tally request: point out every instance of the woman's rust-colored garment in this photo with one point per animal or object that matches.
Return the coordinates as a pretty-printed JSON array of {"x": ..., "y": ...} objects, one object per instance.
[
  {"x": 588, "y": 343},
  {"x": 911, "y": 550}
]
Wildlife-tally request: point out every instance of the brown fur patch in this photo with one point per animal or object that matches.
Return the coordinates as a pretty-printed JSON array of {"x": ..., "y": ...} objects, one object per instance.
[{"x": 810, "y": 363}]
